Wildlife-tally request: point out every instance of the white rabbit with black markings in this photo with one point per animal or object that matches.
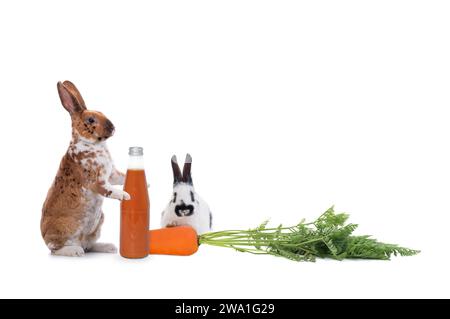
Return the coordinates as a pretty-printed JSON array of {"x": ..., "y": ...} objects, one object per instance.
[{"x": 186, "y": 207}]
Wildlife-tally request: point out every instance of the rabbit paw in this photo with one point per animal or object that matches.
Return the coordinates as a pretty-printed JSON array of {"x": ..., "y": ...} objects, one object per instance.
[
  {"x": 69, "y": 251},
  {"x": 120, "y": 195},
  {"x": 126, "y": 196},
  {"x": 172, "y": 224},
  {"x": 103, "y": 248}
]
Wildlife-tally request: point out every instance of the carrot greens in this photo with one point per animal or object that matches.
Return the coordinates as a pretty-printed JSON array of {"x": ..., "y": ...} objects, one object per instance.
[{"x": 329, "y": 236}]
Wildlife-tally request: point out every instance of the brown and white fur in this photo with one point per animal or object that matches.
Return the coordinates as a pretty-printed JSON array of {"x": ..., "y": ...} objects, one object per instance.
[{"x": 72, "y": 213}]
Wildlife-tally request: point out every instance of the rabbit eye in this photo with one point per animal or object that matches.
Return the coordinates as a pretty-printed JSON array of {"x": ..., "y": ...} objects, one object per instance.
[
  {"x": 192, "y": 196},
  {"x": 174, "y": 197},
  {"x": 91, "y": 120}
]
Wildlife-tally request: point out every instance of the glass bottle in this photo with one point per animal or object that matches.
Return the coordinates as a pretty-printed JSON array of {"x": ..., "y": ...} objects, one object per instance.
[{"x": 135, "y": 213}]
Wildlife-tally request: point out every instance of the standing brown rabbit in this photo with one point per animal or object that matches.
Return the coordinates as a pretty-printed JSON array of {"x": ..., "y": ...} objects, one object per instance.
[{"x": 72, "y": 214}]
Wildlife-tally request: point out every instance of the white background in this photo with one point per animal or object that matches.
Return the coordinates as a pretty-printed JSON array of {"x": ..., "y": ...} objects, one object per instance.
[{"x": 287, "y": 107}]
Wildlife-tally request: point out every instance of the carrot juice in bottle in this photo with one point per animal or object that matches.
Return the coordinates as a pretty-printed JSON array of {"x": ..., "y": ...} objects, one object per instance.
[{"x": 134, "y": 213}]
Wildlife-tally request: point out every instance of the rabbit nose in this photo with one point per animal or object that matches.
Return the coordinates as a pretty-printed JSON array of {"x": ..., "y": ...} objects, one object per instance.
[
  {"x": 109, "y": 126},
  {"x": 184, "y": 210}
]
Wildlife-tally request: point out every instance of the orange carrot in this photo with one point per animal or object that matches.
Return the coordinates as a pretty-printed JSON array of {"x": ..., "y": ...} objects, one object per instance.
[
  {"x": 180, "y": 240},
  {"x": 327, "y": 237}
]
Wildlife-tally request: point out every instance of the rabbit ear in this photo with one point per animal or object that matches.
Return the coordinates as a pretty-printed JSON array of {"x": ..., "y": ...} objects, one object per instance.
[
  {"x": 177, "y": 178},
  {"x": 74, "y": 91},
  {"x": 69, "y": 101},
  {"x": 187, "y": 178}
]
